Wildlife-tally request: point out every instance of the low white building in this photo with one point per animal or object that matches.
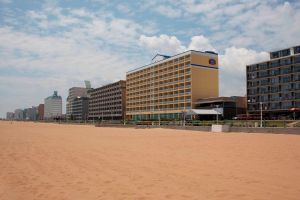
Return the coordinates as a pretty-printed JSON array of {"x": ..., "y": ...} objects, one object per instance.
[{"x": 53, "y": 106}]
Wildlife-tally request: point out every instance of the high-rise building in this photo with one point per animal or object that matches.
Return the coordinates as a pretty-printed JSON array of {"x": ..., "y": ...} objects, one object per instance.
[
  {"x": 169, "y": 86},
  {"x": 74, "y": 92},
  {"x": 10, "y": 115},
  {"x": 19, "y": 114},
  {"x": 53, "y": 106},
  {"x": 80, "y": 108},
  {"x": 107, "y": 102},
  {"x": 273, "y": 86},
  {"x": 41, "y": 112},
  {"x": 30, "y": 114}
]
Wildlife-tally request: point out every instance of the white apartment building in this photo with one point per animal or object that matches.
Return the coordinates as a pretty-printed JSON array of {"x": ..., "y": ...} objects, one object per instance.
[{"x": 53, "y": 106}]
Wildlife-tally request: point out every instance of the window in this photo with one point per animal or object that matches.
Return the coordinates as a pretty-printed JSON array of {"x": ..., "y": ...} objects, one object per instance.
[
  {"x": 275, "y": 106},
  {"x": 275, "y": 72},
  {"x": 286, "y": 105},
  {"x": 274, "y": 80},
  {"x": 286, "y": 70},
  {"x": 264, "y": 82},
  {"x": 286, "y": 61},
  {"x": 274, "y": 55},
  {"x": 286, "y": 96},
  {"x": 297, "y": 59},
  {"x": 263, "y": 66},
  {"x": 274, "y": 63},
  {"x": 274, "y": 89},
  {"x": 263, "y": 73},
  {"x": 285, "y": 79},
  {"x": 285, "y": 52},
  {"x": 297, "y": 77},
  {"x": 297, "y": 49},
  {"x": 296, "y": 68}
]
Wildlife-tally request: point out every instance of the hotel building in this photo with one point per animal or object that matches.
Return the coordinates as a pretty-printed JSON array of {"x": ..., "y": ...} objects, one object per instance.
[
  {"x": 107, "y": 102},
  {"x": 274, "y": 85},
  {"x": 169, "y": 86}
]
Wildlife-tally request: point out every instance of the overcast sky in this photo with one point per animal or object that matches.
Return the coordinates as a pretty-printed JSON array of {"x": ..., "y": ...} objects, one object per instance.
[{"x": 48, "y": 45}]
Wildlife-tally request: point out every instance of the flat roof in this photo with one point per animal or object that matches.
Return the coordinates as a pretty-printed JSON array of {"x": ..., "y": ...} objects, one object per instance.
[{"x": 171, "y": 58}]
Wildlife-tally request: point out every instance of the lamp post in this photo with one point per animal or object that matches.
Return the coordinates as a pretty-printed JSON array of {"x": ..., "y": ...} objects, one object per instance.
[
  {"x": 261, "y": 125},
  {"x": 183, "y": 113},
  {"x": 158, "y": 116},
  {"x": 217, "y": 114}
]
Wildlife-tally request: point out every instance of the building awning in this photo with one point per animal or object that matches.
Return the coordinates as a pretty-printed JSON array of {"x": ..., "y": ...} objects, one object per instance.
[{"x": 214, "y": 111}]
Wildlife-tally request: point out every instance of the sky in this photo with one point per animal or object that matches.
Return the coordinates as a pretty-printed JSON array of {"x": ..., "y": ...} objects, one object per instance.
[{"x": 48, "y": 45}]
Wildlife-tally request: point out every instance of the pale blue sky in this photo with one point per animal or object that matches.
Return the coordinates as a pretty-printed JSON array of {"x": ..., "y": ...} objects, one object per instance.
[{"x": 54, "y": 45}]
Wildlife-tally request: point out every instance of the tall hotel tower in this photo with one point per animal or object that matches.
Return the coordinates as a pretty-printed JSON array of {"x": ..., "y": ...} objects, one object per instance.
[{"x": 170, "y": 86}]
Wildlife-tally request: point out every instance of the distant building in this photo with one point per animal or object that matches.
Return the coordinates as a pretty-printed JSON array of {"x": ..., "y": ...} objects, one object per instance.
[
  {"x": 10, "y": 116},
  {"x": 274, "y": 85},
  {"x": 108, "y": 102},
  {"x": 53, "y": 106},
  {"x": 74, "y": 92},
  {"x": 230, "y": 107},
  {"x": 41, "y": 112},
  {"x": 19, "y": 114},
  {"x": 80, "y": 108},
  {"x": 32, "y": 113}
]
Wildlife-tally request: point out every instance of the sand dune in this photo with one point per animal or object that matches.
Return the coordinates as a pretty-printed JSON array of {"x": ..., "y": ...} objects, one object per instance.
[{"x": 69, "y": 162}]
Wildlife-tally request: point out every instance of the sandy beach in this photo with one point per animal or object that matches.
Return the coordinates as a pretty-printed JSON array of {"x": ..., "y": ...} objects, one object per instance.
[{"x": 40, "y": 161}]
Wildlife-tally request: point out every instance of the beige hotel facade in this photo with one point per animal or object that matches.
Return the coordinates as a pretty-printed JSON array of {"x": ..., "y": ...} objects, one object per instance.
[{"x": 170, "y": 86}]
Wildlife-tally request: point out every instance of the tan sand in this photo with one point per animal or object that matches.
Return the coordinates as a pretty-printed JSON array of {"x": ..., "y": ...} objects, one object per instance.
[{"x": 75, "y": 162}]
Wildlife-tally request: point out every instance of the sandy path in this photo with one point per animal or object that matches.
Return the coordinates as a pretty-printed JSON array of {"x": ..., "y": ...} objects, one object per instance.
[{"x": 70, "y": 162}]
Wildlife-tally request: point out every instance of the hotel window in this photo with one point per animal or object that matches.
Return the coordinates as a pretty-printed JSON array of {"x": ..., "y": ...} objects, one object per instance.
[
  {"x": 287, "y": 105},
  {"x": 286, "y": 96},
  {"x": 285, "y": 52},
  {"x": 264, "y": 82},
  {"x": 297, "y": 59},
  {"x": 286, "y": 87},
  {"x": 275, "y": 80},
  {"x": 285, "y": 79},
  {"x": 263, "y": 66},
  {"x": 263, "y": 73},
  {"x": 297, "y": 49},
  {"x": 274, "y": 55},
  {"x": 275, "y": 105},
  {"x": 297, "y": 77},
  {"x": 286, "y": 70},
  {"x": 286, "y": 61},
  {"x": 274, "y": 97},
  {"x": 274, "y": 63},
  {"x": 296, "y": 68}
]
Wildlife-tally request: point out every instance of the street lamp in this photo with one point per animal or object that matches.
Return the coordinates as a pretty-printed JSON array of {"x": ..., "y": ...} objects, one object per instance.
[
  {"x": 217, "y": 114},
  {"x": 260, "y": 103}
]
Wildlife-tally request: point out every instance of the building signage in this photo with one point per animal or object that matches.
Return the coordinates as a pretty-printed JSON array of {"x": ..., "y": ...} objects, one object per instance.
[{"x": 212, "y": 61}]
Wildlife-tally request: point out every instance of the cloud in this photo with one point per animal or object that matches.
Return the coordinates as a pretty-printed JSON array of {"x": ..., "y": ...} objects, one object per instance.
[
  {"x": 162, "y": 44},
  {"x": 168, "y": 11},
  {"x": 200, "y": 43},
  {"x": 232, "y": 65}
]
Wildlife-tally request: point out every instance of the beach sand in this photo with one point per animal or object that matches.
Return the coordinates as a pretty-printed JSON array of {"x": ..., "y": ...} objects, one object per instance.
[{"x": 80, "y": 162}]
